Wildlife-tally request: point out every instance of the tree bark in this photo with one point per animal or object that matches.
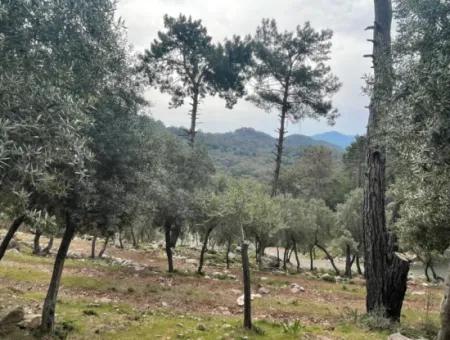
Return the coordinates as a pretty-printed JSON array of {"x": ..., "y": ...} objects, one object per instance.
[
  {"x": 9, "y": 235},
  {"x": 202, "y": 252},
  {"x": 386, "y": 273},
  {"x": 358, "y": 265},
  {"x": 296, "y": 256},
  {"x": 247, "y": 286},
  {"x": 192, "y": 131},
  {"x": 167, "y": 230},
  {"x": 175, "y": 233},
  {"x": 102, "y": 251},
  {"x": 36, "y": 244},
  {"x": 279, "y": 147},
  {"x": 427, "y": 266},
  {"x": 329, "y": 257},
  {"x": 93, "y": 243},
  {"x": 47, "y": 249},
  {"x": 311, "y": 258},
  {"x": 444, "y": 333},
  {"x": 120, "y": 239},
  {"x": 278, "y": 258},
  {"x": 349, "y": 259},
  {"x": 133, "y": 238},
  {"x": 48, "y": 312},
  {"x": 227, "y": 256}
]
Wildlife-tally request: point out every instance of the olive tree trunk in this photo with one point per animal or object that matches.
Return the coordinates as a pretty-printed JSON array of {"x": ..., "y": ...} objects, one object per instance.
[
  {"x": 311, "y": 258},
  {"x": 93, "y": 243},
  {"x": 48, "y": 312},
  {"x": 47, "y": 249},
  {"x": 102, "y": 251},
  {"x": 227, "y": 256},
  {"x": 386, "y": 274},
  {"x": 36, "y": 244},
  {"x": 329, "y": 257},
  {"x": 167, "y": 230},
  {"x": 202, "y": 253},
  {"x": 9, "y": 235}
]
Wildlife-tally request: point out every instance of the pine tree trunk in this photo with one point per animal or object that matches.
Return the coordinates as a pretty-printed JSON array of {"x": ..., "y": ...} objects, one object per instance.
[
  {"x": 202, "y": 252},
  {"x": 167, "y": 230},
  {"x": 102, "y": 251},
  {"x": 36, "y": 244},
  {"x": 386, "y": 273},
  {"x": 279, "y": 151},
  {"x": 9, "y": 235},
  {"x": 192, "y": 131},
  {"x": 444, "y": 333},
  {"x": 329, "y": 257},
  {"x": 247, "y": 286},
  {"x": 48, "y": 312}
]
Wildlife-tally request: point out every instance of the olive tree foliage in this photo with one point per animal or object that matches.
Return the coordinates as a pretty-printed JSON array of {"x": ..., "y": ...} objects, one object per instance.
[
  {"x": 297, "y": 229},
  {"x": 183, "y": 171},
  {"x": 185, "y": 63},
  {"x": 44, "y": 149},
  {"x": 292, "y": 77},
  {"x": 66, "y": 69},
  {"x": 421, "y": 143}
]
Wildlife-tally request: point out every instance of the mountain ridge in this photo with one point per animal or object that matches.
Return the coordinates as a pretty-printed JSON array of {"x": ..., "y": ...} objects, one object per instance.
[{"x": 247, "y": 152}]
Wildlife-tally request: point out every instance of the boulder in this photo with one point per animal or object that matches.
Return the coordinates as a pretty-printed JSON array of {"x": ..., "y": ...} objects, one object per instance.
[
  {"x": 10, "y": 318},
  {"x": 31, "y": 321}
]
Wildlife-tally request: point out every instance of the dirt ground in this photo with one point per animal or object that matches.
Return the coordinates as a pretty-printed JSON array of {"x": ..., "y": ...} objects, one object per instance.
[{"x": 129, "y": 295}]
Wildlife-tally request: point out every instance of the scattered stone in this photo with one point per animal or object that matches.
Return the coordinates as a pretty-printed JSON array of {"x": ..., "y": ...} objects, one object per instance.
[
  {"x": 418, "y": 293},
  {"x": 201, "y": 327},
  {"x": 13, "y": 251},
  {"x": 240, "y": 299},
  {"x": 164, "y": 304},
  {"x": 263, "y": 290},
  {"x": 327, "y": 277},
  {"x": 192, "y": 261},
  {"x": 397, "y": 336},
  {"x": 31, "y": 321},
  {"x": 295, "y": 288},
  {"x": 264, "y": 278},
  {"x": 236, "y": 291}
]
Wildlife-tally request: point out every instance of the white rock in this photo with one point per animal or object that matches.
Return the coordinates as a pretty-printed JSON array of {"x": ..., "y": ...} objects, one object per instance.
[{"x": 263, "y": 290}]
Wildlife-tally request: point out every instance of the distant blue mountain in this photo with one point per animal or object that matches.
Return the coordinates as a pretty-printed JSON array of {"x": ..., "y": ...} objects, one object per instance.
[{"x": 335, "y": 138}]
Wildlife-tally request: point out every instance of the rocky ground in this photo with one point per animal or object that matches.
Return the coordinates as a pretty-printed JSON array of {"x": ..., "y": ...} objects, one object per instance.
[{"x": 129, "y": 295}]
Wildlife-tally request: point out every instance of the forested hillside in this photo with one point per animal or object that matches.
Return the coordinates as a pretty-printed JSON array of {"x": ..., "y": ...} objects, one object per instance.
[{"x": 248, "y": 153}]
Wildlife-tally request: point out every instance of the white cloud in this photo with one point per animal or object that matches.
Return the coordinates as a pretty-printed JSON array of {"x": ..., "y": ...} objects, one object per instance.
[{"x": 347, "y": 18}]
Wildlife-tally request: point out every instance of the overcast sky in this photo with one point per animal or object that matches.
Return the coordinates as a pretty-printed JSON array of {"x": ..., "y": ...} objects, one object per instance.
[{"x": 223, "y": 18}]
